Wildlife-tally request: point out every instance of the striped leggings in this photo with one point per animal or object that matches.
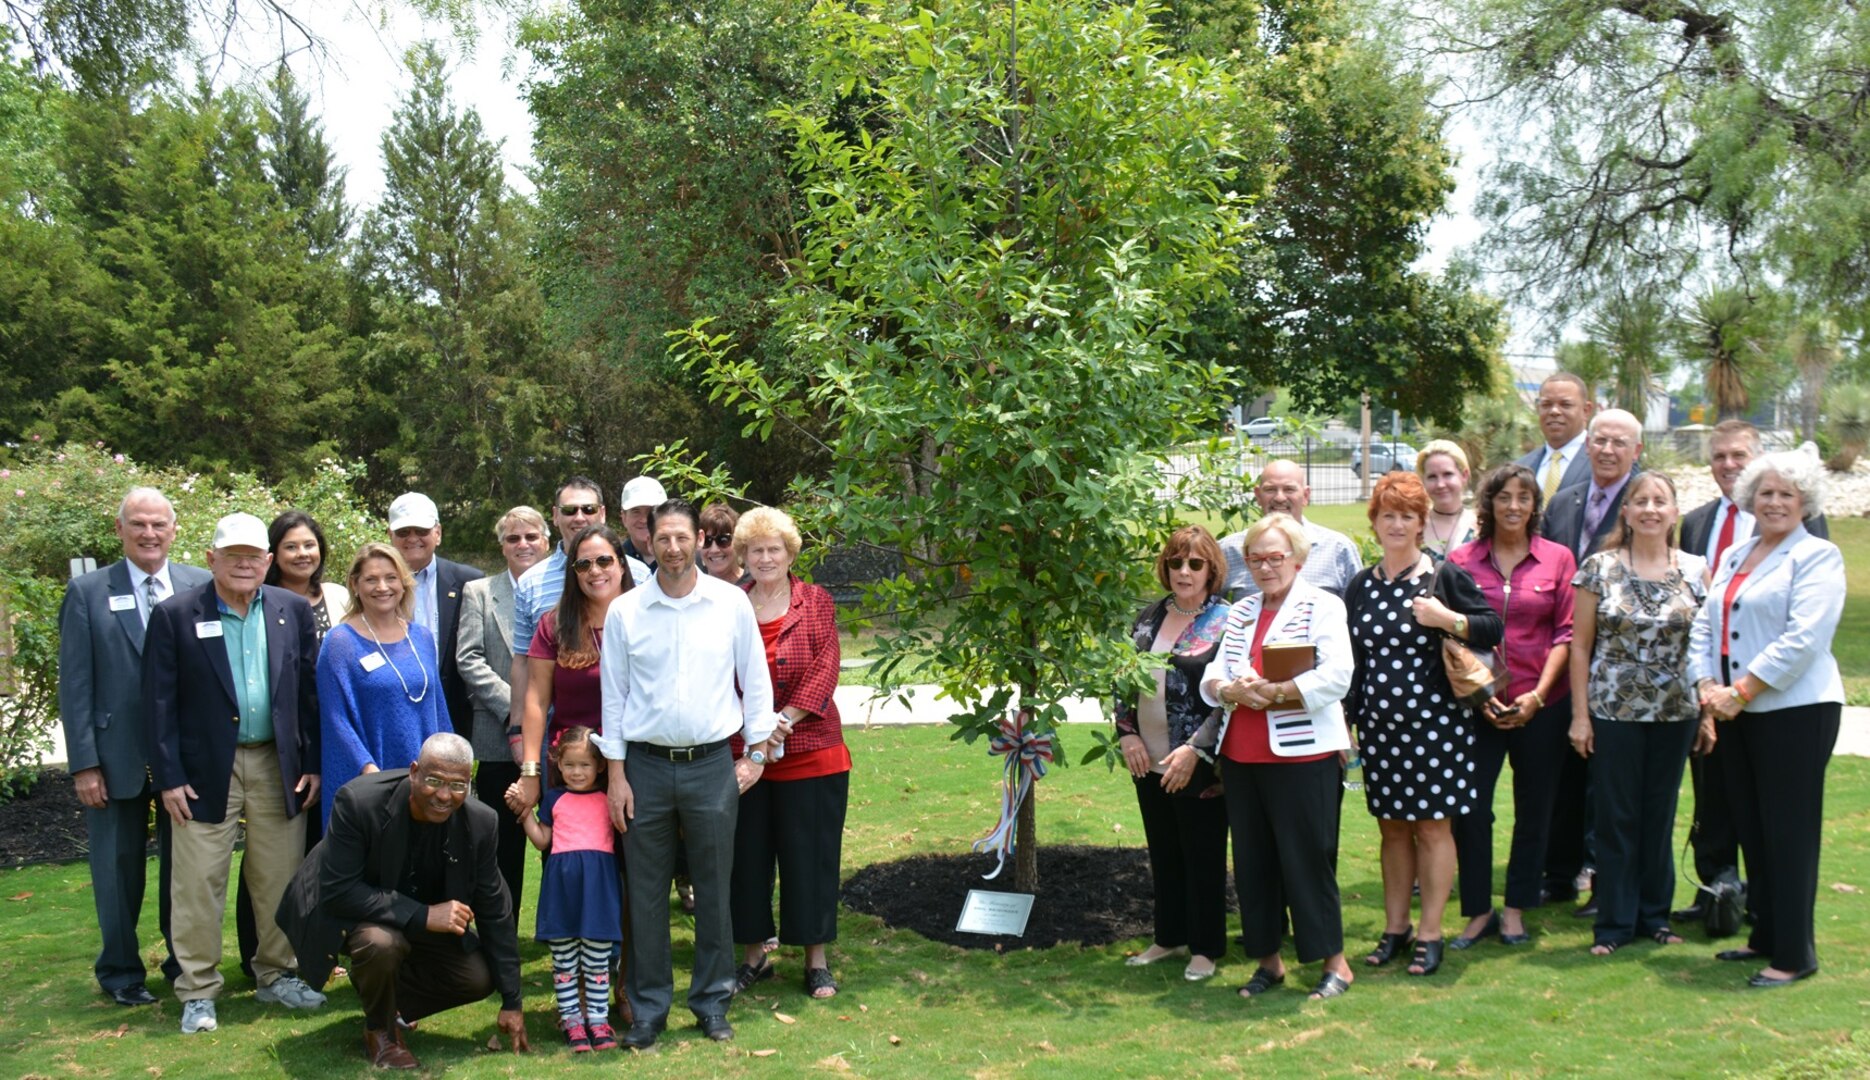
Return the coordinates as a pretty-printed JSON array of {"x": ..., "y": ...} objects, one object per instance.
[{"x": 582, "y": 964}]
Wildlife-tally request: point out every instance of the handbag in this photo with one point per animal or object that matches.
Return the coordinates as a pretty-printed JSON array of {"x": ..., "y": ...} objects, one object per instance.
[{"x": 1477, "y": 675}]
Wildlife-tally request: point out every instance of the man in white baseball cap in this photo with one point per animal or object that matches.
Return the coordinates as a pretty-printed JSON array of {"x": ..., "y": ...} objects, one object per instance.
[
  {"x": 640, "y": 495},
  {"x": 416, "y": 531},
  {"x": 228, "y": 672}
]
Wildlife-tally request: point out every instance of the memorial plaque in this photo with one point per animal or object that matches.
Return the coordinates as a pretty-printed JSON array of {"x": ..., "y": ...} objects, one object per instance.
[{"x": 1001, "y": 914}]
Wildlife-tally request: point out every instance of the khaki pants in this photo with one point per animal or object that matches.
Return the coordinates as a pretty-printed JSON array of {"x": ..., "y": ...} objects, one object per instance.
[{"x": 202, "y": 854}]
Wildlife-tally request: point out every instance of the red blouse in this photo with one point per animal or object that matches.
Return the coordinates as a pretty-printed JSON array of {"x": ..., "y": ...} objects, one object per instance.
[{"x": 1248, "y": 742}]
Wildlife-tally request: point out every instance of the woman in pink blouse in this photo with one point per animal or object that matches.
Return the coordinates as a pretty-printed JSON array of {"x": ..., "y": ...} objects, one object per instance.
[{"x": 1527, "y": 579}]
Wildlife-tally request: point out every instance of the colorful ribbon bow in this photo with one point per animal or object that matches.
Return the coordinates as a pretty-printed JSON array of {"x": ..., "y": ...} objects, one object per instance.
[{"x": 1027, "y": 754}]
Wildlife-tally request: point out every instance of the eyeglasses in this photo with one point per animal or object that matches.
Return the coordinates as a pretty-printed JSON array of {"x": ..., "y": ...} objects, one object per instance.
[
  {"x": 720, "y": 540},
  {"x": 1193, "y": 563},
  {"x": 409, "y": 532},
  {"x": 1272, "y": 562},
  {"x": 602, "y": 562},
  {"x": 436, "y": 783},
  {"x": 240, "y": 560},
  {"x": 521, "y": 538},
  {"x": 574, "y": 509},
  {"x": 1607, "y": 442}
]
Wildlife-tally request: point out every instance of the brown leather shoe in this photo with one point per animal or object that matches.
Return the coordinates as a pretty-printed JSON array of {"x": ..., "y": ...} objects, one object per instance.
[{"x": 385, "y": 1050}]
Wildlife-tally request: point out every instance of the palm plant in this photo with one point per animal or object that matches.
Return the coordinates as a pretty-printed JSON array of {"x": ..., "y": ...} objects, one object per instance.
[
  {"x": 1720, "y": 331},
  {"x": 1847, "y": 410}
]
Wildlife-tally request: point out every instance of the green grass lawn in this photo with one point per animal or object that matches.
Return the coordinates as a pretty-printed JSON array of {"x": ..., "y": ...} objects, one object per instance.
[{"x": 912, "y": 1008}]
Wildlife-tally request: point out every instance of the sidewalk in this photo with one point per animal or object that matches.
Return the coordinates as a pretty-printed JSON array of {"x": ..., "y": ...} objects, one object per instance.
[{"x": 861, "y": 708}]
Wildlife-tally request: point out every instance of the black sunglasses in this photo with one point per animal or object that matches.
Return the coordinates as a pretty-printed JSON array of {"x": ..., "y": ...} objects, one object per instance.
[
  {"x": 574, "y": 509},
  {"x": 1193, "y": 563},
  {"x": 718, "y": 540},
  {"x": 602, "y": 562}
]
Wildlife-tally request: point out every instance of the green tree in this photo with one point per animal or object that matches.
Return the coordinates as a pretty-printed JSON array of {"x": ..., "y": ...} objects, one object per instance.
[
  {"x": 455, "y": 362},
  {"x": 205, "y": 357},
  {"x": 1333, "y": 305},
  {"x": 1654, "y": 141},
  {"x": 1012, "y": 213},
  {"x": 1721, "y": 334},
  {"x": 665, "y": 195},
  {"x": 1632, "y": 329},
  {"x": 302, "y": 165}
]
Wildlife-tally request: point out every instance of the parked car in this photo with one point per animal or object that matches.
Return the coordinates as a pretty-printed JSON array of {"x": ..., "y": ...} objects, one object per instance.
[
  {"x": 1384, "y": 457},
  {"x": 1266, "y": 427}
]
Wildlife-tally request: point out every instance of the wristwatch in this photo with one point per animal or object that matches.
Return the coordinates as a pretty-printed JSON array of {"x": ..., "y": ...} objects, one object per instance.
[
  {"x": 1280, "y": 697},
  {"x": 1460, "y": 625},
  {"x": 758, "y": 757}
]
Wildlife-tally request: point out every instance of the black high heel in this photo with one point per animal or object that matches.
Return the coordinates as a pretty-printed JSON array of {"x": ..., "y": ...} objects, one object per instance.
[
  {"x": 1388, "y": 946},
  {"x": 1488, "y": 929},
  {"x": 1427, "y": 956}
]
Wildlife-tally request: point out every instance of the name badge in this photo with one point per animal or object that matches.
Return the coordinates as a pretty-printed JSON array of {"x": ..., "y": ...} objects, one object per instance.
[
  {"x": 123, "y": 603},
  {"x": 207, "y": 629},
  {"x": 371, "y": 661}
]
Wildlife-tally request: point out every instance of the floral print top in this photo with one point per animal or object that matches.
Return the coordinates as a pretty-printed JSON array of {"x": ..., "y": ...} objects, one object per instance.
[
  {"x": 1181, "y": 679},
  {"x": 1639, "y": 658}
]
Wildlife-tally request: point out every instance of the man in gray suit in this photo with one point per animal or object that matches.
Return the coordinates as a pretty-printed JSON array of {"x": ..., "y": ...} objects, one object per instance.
[
  {"x": 1564, "y": 408},
  {"x": 485, "y": 659},
  {"x": 100, "y": 703}
]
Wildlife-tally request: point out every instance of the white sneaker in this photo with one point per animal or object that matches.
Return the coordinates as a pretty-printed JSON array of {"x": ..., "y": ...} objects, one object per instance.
[
  {"x": 290, "y": 991},
  {"x": 198, "y": 1016}
]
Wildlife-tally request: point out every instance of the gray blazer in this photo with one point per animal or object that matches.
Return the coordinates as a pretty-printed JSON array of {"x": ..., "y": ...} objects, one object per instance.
[
  {"x": 100, "y": 675},
  {"x": 484, "y": 655}
]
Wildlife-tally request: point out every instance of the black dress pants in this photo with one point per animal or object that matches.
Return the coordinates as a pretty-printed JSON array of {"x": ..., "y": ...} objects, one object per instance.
[
  {"x": 1775, "y": 773},
  {"x": 1538, "y": 753},
  {"x": 797, "y": 828},
  {"x": 491, "y": 779},
  {"x": 1187, "y": 838},
  {"x": 1284, "y": 819},
  {"x": 1636, "y": 781}
]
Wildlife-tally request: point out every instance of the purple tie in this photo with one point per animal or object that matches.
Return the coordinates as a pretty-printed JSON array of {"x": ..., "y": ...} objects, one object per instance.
[{"x": 1593, "y": 516}]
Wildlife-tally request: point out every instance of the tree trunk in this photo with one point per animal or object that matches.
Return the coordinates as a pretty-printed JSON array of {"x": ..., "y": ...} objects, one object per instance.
[{"x": 1026, "y": 849}]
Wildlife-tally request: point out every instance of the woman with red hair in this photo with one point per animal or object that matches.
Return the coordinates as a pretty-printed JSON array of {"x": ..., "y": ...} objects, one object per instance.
[{"x": 1417, "y": 740}]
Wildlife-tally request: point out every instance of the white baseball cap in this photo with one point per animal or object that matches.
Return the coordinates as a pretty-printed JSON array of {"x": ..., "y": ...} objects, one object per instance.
[
  {"x": 413, "y": 509},
  {"x": 240, "y": 530},
  {"x": 643, "y": 491}
]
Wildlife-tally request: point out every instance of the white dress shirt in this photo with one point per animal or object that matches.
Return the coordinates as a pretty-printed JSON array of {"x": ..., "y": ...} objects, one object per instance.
[
  {"x": 670, "y": 664},
  {"x": 164, "y": 589},
  {"x": 1571, "y": 450},
  {"x": 425, "y": 610}
]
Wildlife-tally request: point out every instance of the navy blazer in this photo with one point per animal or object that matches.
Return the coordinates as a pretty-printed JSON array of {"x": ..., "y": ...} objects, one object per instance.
[
  {"x": 1698, "y": 525},
  {"x": 450, "y": 579},
  {"x": 1577, "y": 470},
  {"x": 1563, "y": 521},
  {"x": 194, "y": 715},
  {"x": 100, "y": 676}
]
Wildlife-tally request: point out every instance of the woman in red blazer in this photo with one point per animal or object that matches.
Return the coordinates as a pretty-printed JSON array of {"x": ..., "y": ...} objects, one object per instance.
[{"x": 793, "y": 819}]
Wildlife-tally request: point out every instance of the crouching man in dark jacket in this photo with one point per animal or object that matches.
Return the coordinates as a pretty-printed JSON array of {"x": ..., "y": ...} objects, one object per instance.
[{"x": 405, "y": 874}]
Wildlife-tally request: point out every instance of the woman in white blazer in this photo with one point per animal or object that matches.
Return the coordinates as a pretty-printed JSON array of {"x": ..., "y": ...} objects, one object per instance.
[
  {"x": 1279, "y": 744},
  {"x": 1760, "y": 655}
]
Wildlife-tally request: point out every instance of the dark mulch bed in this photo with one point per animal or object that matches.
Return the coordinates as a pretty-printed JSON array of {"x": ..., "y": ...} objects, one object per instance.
[
  {"x": 1090, "y": 895},
  {"x": 45, "y": 824}
]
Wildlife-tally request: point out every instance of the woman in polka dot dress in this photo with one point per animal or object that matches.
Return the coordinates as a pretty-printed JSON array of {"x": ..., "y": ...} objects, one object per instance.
[{"x": 1416, "y": 739}]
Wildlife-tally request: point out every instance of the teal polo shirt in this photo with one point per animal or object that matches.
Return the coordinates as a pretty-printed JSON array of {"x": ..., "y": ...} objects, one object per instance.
[{"x": 245, "y": 638}]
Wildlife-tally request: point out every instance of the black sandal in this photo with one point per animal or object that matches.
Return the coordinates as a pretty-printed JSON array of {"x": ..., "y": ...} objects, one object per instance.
[
  {"x": 1332, "y": 985},
  {"x": 1262, "y": 981},
  {"x": 746, "y": 975},
  {"x": 1388, "y": 946},
  {"x": 1427, "y": 956},
  {"x": 1663, "y": 935},
  {"x": 817, "y": 979},
  {"x": 1608, "y": 947}
]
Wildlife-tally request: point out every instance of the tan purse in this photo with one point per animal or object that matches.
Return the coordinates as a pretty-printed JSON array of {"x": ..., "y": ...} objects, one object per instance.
[{"x": 1477, "y": 675}]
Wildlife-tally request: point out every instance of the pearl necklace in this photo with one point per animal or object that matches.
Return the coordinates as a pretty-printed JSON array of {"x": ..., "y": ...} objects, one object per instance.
[
  {"x": 1180, "y": 610},
  {"x": 415, "y": 699}
]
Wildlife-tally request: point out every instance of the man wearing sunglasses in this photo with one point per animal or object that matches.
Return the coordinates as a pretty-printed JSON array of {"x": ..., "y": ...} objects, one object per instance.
[
  {"x": 416, "y": 530},
  {"x": 1334, "y": 558},
  {"x": 406, "y": 884}
]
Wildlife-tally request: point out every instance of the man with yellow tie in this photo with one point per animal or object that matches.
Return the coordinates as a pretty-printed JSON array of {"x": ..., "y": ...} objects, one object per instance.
[{"x": 1564, "y": 408}]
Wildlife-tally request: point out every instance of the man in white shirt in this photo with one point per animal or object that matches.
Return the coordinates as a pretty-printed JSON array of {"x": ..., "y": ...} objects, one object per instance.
[
  {"x": 1711, "y": 530},
  {"x": 100, "y": 702},
  {"x": 674, "y": 650},
  {"x": 1334, "y": 559},
  {"x": 1565, "y": 409}
]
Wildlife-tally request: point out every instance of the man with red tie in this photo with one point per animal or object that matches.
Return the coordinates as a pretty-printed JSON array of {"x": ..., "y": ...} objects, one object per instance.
[{"x": 1712, "y": 530}]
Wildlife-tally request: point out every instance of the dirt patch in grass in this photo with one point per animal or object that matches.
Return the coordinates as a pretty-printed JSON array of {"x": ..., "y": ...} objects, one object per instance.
[
  {"x": 1090, "y": 895},
  {"x": 45, "y": 824}
]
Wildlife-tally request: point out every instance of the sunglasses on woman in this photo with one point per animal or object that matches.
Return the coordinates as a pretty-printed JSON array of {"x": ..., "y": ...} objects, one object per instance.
[
  {"x": 719, "y": 540},
  {"x": 602, "y": 562},
  {"x": 1194, "y": 563}
]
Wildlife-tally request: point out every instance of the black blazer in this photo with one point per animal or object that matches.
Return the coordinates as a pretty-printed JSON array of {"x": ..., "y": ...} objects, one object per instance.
[
  {"x": 194, "y": 715},
  {"x": 350, "y": 877},
  {"x": 1698, "y": 526},
  {"x": 1564, "y": 517},
  {"x": 450, "y": 578},
  {"x": 1577, "y": 470}
]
